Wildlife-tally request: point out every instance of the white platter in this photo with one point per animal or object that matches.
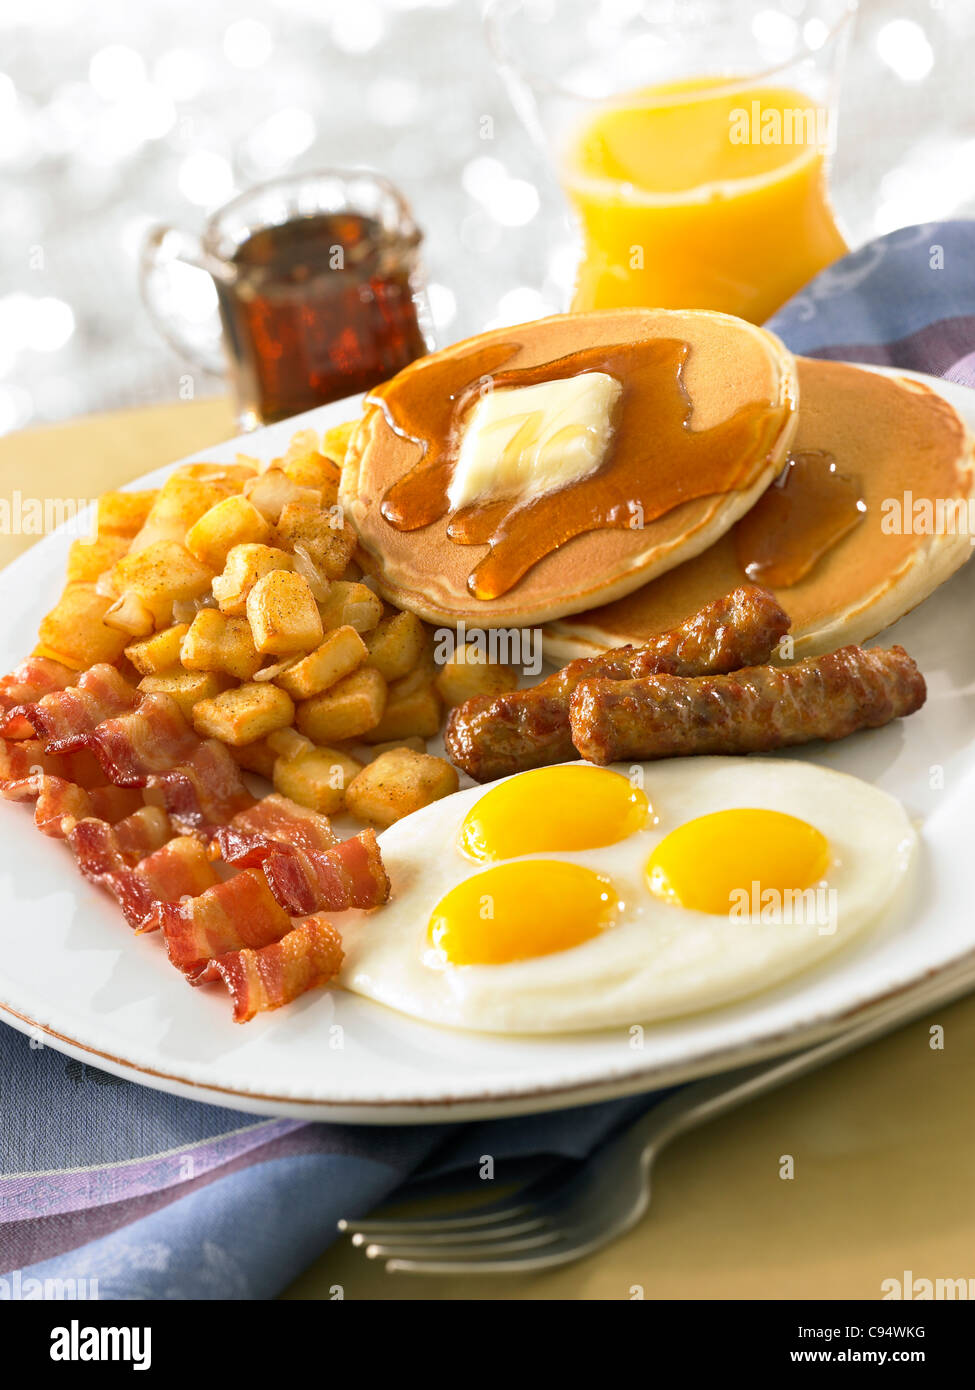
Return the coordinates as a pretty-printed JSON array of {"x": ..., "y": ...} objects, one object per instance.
[{"x": 71, "y": 970}]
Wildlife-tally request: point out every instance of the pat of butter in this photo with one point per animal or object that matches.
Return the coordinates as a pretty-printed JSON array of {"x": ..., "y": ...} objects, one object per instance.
[{"x": 524, "y": 441}]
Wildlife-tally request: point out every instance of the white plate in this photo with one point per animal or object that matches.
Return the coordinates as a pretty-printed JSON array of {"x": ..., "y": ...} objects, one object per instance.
[{"x": 71, "y": 969}]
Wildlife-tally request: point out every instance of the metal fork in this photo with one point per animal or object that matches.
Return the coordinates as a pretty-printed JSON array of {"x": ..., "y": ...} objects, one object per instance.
[{"x": 559, "y": 1218}]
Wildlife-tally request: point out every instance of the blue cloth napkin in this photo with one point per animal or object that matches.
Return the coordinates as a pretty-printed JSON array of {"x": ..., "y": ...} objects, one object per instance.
[{"x": 158, "y": 1197}]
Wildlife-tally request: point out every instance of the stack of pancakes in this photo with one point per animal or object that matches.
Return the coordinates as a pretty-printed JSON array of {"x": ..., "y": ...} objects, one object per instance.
[{"x": 887, "y": 436}]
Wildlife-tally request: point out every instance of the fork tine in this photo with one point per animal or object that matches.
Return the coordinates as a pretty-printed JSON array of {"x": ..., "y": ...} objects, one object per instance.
[
  {"x": 467, "y": 1253},
  {"x": 524, "y": 1201},
  {"x": 468, "y": 1219},
  {"x": 393, "y": 1236},
  {"x": 493, "y": 1262}
]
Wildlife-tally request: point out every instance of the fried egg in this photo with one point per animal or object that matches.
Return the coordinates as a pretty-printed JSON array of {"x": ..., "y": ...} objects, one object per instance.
[{"x": 573, "y": 898}]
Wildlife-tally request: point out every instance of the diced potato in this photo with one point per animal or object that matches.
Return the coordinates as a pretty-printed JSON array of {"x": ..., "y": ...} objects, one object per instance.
[
  {"x": 244, "y": 714},
  {"x": 335, "y": 441},
  {"x": 256, "y": 757},
  {"x": 413, "y": 714},
  {"x": 348, "y": 604},
  {"x": 215, "y": 642},
  {"x": 130, "y": 615},
  {"x": 308, "y": 524},
  {"x": 301, "y": 442},
  {"x": 75, "y": 633},
  {"x": 159, "y": 652},
  {"x": 123, "y": 513},
  {"x": 184, "y": 497},
  {"x": 339, "y": 655},
  {"x": 160, "y": 574},
  {"x": 271, "y": 491},
  {"x": 396, "y": 645},
  {"x": 234, "y": 521},
  {"x": 467, "y": 672},
  {"x": 351, "y": 708},
  {"x": 88, "y": 559},
  {"x": 398, "y": 783},
  {"x": 421, "y": 674},
  {"x": 314, "y": 470},
  {"x": 288, "y": 743},
  {"x": 317, "y": 778},
  {"x": 283, "y": 614},
  {"x": 232, "y": 476},
  {"x": 187, "y": 688},
  {"x": 246, "y": 564},
  {"x": 415, "y": 744}
]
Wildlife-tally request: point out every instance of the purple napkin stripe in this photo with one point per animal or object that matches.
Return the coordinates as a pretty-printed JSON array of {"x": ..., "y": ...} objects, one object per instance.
[
  {"x": 30, "y": 1195},
  {"x": 944, "y": 348},
  {"x": 29, "y": 1240}
]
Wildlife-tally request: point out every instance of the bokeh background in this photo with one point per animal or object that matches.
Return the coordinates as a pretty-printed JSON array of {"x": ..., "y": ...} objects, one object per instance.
[{"x": 117, "y": 114}]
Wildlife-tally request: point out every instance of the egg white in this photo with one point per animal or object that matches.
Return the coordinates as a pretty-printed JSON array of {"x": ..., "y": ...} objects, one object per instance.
[{"x": 659, "y": 960}]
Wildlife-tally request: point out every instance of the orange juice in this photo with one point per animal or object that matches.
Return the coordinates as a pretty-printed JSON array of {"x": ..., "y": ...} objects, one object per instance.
[{"x": 702, "y": 195}]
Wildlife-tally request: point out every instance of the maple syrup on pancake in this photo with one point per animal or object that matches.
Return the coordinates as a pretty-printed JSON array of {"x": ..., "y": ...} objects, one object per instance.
[
  {"x": 806, "y": 511},
  {"x": 319, "y": 307},
  {"x": 655, "y": 460}
]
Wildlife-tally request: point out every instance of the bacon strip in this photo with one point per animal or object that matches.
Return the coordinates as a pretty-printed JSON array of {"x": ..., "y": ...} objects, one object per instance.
[
  {"x": 267, "y": 825},
  {"x": 31, "y": 681},
  {"x": 206, "y": 790},
  {"x": 58, "y": 804},
  {"x": 148, "y": 739},
  {"x": 29, "y": 756},
  {"x": 101, "y": 848},
  {"x": 226, "y": 917},
  {"x": 259, "y": 980},
  {"x": 67, "y": 717},
  {"x": 179, "y": 869},
  {"x": 348, "y": 875}
]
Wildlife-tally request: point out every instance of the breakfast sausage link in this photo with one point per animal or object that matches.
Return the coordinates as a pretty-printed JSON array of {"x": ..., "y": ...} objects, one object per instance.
[
  {"x": 493, "y": 735},
  {"x": 751, "y": 711}
]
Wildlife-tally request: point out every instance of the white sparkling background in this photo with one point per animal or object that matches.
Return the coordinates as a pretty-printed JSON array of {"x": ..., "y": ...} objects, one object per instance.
[{"x": 115, "y": 114}]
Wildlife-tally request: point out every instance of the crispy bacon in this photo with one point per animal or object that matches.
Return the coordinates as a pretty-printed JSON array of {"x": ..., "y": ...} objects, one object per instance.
[
  {"x": 58, "y": 804},
  {"x": 115, "y": 803},
  {"x": 267, "y": 825},
  {"x": 348, "y": 875},
  {"x": 67, "y": 717},
  {"x": 34, "y": 678},
  {"x": 101, "y": 848},
  {"x": 25, "y": 758},
  {"x": 179, "y": 869},
  {"x": 205, "y": 790},
  {"x": 31, "y": 681},
  {"x": 258, "y": 980},
  {"x": 151, "y": 738},
  {"x": 29, "y": 756},
  {"x": 227, "y": 917}
]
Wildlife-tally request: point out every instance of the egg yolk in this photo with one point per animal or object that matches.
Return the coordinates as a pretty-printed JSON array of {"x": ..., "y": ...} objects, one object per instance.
[
  {"x": 702, "y": 863},
  {"x": 553, "y": 808},
  {"x": 515, "y": 911}
]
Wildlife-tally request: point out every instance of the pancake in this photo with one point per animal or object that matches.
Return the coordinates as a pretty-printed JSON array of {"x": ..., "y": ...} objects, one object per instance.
[
  {"x": 729, "y": 369},
  {"x": 890, "y": 436}
]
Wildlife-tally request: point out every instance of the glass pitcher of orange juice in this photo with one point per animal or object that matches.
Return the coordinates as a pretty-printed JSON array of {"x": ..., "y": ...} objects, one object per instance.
[{"x": 692, "y": 139}]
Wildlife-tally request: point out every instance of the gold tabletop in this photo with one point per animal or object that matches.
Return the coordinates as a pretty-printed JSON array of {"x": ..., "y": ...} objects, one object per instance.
[{"x": 882, "y": 1143}]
